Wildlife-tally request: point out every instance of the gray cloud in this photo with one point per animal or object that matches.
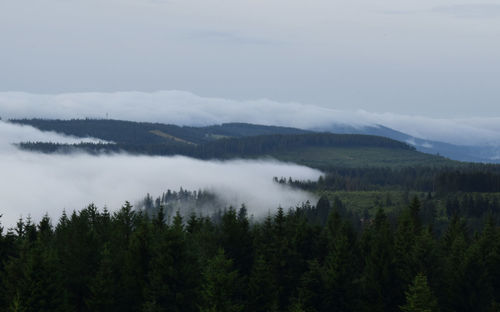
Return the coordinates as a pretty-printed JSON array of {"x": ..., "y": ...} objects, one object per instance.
[
  {"x": 39, "y": 183},
  {"x": 184, "y": 108}
]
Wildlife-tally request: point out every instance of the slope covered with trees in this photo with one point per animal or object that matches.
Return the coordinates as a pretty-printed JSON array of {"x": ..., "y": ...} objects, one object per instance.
[
  {"x": 236, "y": 140},
  {"x": 129, "y": 132}
]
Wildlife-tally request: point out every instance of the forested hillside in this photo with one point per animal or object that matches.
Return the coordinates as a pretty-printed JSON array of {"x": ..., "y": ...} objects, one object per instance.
[
  {"x": 128, "y": 132},
  {"x": 318, "y": 150}
]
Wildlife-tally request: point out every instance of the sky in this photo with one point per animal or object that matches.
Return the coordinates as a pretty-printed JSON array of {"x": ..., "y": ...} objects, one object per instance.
[
  {"x": 35, "y": 184},
  {"x": 436, "y": 58}
]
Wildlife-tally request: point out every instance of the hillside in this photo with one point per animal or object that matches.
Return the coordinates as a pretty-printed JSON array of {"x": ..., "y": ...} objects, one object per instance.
[
  {"x": 484, "y": 154},
  {"x": 356, "y": 157},
  {"x": 236, "y": 140},
  {"x": 129, "y": 132}
]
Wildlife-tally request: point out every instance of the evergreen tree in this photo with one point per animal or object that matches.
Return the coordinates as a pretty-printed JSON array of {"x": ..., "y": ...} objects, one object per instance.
[
  {"x": 103, "y": 285},
  {"x": 262, "y": 296},
  {"x": 236, "y": 240},
  {"x": 313, "y": 295},
  {"x": 341, "y": 266},
  {"x": 380, "y": 288},
  {"x": 221, "y": 285},
  {"x": 419, "y": 297},
  {"x": 173, "y": 272}
]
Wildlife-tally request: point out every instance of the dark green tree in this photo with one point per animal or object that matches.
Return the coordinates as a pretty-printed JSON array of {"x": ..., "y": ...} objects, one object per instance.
[
  {"x": 419, "y": 297},
  {"x": 221, "y": 285}
]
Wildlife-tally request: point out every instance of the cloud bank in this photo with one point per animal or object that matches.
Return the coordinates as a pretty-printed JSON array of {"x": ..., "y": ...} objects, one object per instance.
[
  {"x": 34, "y": 184},
  {"x": 184, "y": 108}
]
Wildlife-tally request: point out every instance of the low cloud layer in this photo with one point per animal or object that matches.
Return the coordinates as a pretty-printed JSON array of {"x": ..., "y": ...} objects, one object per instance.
[
  {"x": 34, "y": 184},
  {"x": 184, "y": 108}
]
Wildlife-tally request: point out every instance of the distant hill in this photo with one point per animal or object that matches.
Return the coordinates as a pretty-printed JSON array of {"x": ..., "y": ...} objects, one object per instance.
[
  {"x": 157, "y": 133},
  {"x": 129, "y": 132},
  {"x": 235, "y": 140},
  {"x": 488, "y": 154}
]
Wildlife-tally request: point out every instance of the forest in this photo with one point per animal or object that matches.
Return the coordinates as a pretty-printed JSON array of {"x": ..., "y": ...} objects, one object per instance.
[
  {"x": 319, "y": 257},
  {"x": 321, "y": 150},
  {"x": 417, "y": 235},
  {"x": 129, "y": 132},
  {"x": 227, "y": 147}
]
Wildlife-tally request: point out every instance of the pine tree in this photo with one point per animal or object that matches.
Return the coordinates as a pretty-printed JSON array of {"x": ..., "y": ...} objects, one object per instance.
[
  {"x": 454, "y": 246},
  {"x": 136, "y": 267},
  {"x": 419, "y": 297},
  {"x": 341, "y": 266},
  {"x": 102, "y": 286},
  {"x": 32, "y": 281},
  {"x": 173, "y": 272},
  {"x": 236, "y": 240},
  {"x": 313, "y": 295},
  {"x": 220, "y": 287},
  {"x": 408, "y": 229},
  {"x": 262, "y": 296},
  {"x": 322, "y": 210},
  {"x": 380, "y": 289}
]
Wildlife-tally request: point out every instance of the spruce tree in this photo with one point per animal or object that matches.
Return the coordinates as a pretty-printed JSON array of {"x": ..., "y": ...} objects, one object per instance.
[
  {"x": 221, "y": 286},
  {"x": 262, "y": 296},
  {"x": 103, "y": 286},
  {"x": 419, "y": 297}
]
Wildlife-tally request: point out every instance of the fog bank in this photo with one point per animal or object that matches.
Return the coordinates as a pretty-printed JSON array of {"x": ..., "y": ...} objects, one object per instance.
[
  {"x": 34, "y": 184},
  {"x": 184, "y": 108}
]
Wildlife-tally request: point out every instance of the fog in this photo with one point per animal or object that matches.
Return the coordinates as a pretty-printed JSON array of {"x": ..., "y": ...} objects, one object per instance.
[
  {"x": 34, "y": 184},
  {"x": 11, "y": 133},
  {"x": 184, "y": 108}
]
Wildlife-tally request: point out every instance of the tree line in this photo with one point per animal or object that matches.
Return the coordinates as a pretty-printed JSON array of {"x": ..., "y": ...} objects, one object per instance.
[
  {"x": 469, "y": 178},
  {"x": 94, "y": 260}
]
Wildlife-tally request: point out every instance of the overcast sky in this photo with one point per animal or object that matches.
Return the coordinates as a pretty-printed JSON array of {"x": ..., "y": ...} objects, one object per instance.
[{"x": 438, "y": 58}]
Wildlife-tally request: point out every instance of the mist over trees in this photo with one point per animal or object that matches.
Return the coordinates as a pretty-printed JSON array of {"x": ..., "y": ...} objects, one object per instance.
[
  {"x": 311, "y": 258},
  {"x": 426, "y": 240}
]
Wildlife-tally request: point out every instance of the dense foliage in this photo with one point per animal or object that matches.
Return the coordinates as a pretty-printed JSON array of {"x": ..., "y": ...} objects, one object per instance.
[{"x": 92, "y": 260}]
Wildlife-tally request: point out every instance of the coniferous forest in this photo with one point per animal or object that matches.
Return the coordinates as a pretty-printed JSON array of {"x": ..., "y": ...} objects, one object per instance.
[
  {"x": 292, "y": 260},
  {"x": 249, "y": 156},
  {"x": 414, "y": 232}
]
